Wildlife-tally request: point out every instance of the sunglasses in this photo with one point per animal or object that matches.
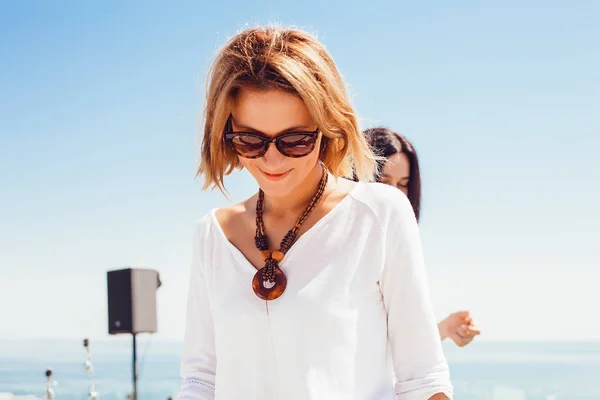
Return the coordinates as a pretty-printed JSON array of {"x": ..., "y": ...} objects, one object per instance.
[{"x": 254, "y": 145}]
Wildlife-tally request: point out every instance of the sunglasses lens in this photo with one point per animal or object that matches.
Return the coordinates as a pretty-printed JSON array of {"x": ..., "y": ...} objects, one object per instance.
[
  {"x": 248, "y": 146},
  {"x": 297, "y": 145}
]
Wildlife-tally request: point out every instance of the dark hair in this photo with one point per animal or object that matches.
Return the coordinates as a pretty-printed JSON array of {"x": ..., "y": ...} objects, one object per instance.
[{"x": 386, "y": 143}]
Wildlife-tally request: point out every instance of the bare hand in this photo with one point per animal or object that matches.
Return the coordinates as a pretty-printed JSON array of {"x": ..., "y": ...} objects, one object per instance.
[{"x": 459, "y": 327}]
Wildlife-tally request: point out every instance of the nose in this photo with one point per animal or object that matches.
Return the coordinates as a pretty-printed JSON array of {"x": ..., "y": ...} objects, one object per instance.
[{"x": 273, "y": 159}]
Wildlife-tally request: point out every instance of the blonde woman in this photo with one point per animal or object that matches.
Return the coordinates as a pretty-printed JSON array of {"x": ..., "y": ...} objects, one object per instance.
[{"x": 313, "y": 288}]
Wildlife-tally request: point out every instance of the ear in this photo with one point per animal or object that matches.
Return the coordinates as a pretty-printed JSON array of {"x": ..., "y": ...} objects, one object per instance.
[{"x": 323, "y": 148}]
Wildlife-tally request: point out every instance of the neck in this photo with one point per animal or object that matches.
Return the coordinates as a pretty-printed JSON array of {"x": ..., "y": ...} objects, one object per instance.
[{"x": 297, "y": 198}]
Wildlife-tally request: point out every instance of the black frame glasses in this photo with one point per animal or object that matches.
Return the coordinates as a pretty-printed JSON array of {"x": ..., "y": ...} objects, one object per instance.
[{"x": 254, "y": 145}]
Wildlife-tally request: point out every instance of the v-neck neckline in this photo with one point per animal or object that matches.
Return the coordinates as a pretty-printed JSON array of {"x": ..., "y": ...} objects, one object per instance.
[{"x": 238, "y": 254}]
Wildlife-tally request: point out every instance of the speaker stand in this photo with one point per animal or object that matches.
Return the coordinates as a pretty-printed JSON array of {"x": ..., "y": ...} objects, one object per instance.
[
  {"x": 134, "y": 369},
  {"x": 88, "y": 366}
]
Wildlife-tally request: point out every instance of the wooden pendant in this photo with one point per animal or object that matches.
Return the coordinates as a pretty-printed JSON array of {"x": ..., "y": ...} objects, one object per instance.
[{"x": 269, "y": 290}]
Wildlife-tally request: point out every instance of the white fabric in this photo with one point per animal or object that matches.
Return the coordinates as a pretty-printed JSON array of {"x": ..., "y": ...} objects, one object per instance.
[{"x": 355, "y": 315}]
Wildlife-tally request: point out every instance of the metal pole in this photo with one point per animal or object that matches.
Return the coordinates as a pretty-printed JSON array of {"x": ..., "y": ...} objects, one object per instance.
[
  {"x": 49, "y": 395},
  {"x": 88, "y": 366},
  {"x": 135, "y": 392}
]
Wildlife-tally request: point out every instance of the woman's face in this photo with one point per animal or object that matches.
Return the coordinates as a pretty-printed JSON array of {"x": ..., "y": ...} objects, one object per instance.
[
  {"x": 272, "y": 113},
  {"x": 396, "y": 172}
]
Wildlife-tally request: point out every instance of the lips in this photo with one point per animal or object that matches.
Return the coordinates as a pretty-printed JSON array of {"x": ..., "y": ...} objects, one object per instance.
[{"x": 274, "y": 176}]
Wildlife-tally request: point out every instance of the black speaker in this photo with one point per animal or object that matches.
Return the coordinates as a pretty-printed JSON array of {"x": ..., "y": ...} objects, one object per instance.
[{"x": 132, "y": 300}]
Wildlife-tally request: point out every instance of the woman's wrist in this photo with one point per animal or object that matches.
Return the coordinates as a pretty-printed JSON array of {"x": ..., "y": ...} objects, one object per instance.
[{"x": 443, "y": 329}]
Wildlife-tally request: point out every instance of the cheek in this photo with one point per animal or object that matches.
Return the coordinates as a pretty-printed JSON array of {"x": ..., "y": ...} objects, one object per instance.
[
  {"x": 246, "y": 163},
  {"x": 251, "y": 165},
  {"x": 313, "y": 157},
  {"x": 404, "y": 190},
  {"x": 310, "y": 160}
]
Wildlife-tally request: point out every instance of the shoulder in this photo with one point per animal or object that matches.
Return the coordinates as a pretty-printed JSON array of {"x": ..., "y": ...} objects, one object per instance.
[
  {"x": 228, "y": 217},
  {"x": 211, "y": 227},
  {"x": 232, "y": 219},
  {"x": 224, "y": 217},
  {"x": 385, "y": 201}
]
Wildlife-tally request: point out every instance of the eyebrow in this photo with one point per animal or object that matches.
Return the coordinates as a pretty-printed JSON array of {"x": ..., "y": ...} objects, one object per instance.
[
  {"x": 249, "y": 128},
  {"x": 404, "y": 178}
]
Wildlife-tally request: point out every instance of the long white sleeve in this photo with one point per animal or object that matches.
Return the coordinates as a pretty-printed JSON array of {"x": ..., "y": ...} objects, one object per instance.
[
  {"x": 198, "y": 365},
  {"x": 419, "y": 364}
]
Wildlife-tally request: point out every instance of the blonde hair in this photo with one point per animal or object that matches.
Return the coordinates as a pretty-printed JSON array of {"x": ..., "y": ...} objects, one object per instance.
[{"x": 293, "y": 61}]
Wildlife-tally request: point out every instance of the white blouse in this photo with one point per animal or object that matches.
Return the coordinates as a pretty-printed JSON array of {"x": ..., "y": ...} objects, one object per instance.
[{"x": 354, "y": 319}]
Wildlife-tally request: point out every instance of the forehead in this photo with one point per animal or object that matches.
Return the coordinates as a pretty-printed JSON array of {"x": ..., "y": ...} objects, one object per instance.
[
  {"x": 397, "y": 166},
  {"x": 270, "y": 111}
]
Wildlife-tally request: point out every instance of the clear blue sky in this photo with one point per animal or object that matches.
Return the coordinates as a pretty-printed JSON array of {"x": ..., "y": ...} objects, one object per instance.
[{"x": 99, "y": 113}]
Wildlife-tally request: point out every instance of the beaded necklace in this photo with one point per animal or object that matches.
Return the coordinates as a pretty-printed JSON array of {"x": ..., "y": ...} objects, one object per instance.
[{"x": 269, "y": 282}]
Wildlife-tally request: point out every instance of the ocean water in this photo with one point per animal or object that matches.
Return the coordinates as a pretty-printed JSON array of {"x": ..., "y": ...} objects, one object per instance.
[{"x": 481, "y": 371}]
